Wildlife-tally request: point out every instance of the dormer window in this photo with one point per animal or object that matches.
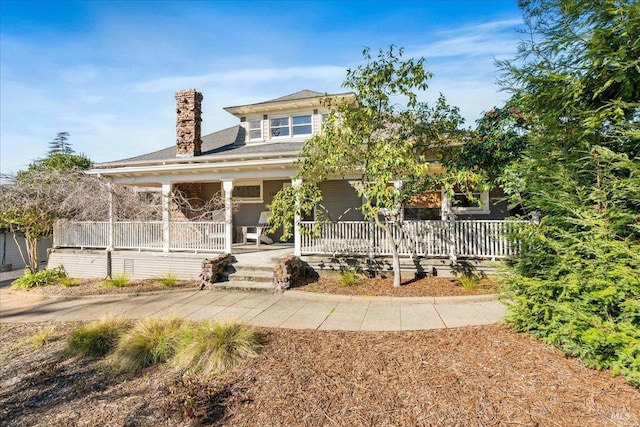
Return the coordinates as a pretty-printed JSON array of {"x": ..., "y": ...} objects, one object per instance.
[
  {"x": 301, "y": 125},
  {"x": 280, "y": 127},
  {"x": 255, "y": 129},
  {"x": 291, "y": 126}
]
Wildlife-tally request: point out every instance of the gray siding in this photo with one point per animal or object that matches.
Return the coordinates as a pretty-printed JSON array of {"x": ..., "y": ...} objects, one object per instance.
[
  {"x": 338, "y": 196},
  {"x": 147, "y": 265},
  {"x": 83, "y": 264},
  {"x": 135, "y": 265},
  {"x": 249, "y": 213},
  {"x": 9, "y": 253}
]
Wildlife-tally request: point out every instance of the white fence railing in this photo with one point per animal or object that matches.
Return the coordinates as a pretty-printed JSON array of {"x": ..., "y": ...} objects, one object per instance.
[
  {"x": 148, "y": 235},
  {"x": 465, "y": 238}
]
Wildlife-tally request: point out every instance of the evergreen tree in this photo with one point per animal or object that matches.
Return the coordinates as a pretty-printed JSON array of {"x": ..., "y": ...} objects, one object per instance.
[
  {"x": 576, "y": 282},
  {"x": 60, "y": 144}
]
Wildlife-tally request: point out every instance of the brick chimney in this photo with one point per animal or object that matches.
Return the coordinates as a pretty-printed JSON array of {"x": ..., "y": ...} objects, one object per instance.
[{"x": 189, "y": 117}]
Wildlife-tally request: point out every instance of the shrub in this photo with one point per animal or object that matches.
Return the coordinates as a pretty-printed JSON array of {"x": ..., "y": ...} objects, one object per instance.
[
  {"x": 44, "y": 336},
  {"x": 119, "y": 281},
  {"x": 168, "y": 281},
  {"x": 349, "y": 278},
  {"x": 97, "y": 339},
  {"x": 469, "y": 280},
  {"x": 209, "y": 348},
  {"x": 48, "y": 277},
  {"x": 149, "y": 342}
]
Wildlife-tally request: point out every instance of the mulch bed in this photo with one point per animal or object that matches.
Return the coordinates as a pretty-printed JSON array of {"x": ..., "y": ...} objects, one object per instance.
[
  {"x": 86, "y": 287},
  {"x": 486, "y": 375},
  {"x": 330, "y": 284},
  {"x": 425, "y": 287}
]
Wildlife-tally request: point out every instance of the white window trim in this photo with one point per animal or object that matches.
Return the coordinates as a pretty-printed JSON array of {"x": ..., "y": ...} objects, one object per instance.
[
  {"x": 260, "y": 128},
  {"x": 290, "y": 116},
  {"x": 484, "y": 209},
  {"x": 249, "y": 199}
]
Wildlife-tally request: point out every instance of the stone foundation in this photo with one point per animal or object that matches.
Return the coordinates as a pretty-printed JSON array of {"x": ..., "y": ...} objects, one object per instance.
[{"x": 213, "y": 268}]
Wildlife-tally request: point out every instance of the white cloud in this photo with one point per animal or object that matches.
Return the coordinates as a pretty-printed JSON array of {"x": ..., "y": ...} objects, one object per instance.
[{"x": 243, "y": 76}]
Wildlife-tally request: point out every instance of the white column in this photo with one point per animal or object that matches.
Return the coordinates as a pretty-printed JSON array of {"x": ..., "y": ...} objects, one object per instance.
[
  {"x": 227, "y": 186},
  {"x": 111, "y": 218},
  {"x": 166, "y": 199},
  {"x": 445, "y": 206},
  {"x": 297, "y": 238}
]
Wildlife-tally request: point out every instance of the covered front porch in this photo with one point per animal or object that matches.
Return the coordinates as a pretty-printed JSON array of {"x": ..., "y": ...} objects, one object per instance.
[{"x": 453, "y": 239}]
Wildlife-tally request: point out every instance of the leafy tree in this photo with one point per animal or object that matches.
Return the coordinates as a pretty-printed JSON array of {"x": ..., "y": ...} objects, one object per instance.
[
  {"x": 576, "y": 282},
  {"x": 385, "y": 138},
  {"x": 499, "y": 139}
]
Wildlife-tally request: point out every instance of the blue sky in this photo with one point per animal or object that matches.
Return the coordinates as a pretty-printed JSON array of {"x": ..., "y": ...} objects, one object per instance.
[{"x": 106, "y": 71}]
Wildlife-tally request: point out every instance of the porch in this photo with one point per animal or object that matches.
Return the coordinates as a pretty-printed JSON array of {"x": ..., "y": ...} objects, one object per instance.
[{"x": 453, "y": 239}]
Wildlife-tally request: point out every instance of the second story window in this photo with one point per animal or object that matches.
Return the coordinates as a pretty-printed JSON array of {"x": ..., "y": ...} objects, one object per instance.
[
  {"x": 301, "y": 125},
  {"x": 255, "y": 129},
  {"x": 279, "y": 127},
  {"x": 291, "y": 126}
]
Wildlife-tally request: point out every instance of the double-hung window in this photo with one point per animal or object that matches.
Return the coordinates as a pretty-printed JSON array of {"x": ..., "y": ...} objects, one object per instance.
[
  {"x": 291, "y": 126},
  {"x": 301, "y": 125},
  {"x": 280, "y": 127},
  {"x": 255, "y": 129}
]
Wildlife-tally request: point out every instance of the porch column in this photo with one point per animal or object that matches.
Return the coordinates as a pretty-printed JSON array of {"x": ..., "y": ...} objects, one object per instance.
[
  {"x": 452, "y": 238},
  {"x": 297, "y": 238},
  {"x": 228, "y": 215},
  {"x": 110, "y": 241},
  {"x": 166, "y": 198}
]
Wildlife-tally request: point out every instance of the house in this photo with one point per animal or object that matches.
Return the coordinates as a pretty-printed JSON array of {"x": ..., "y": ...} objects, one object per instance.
[
  {"x": 246, "y": 165},
  {"x": 13, "y": 247}
]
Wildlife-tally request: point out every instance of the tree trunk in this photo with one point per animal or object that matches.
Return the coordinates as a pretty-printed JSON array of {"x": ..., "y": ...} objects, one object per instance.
[
  {"x": 32, "y": 250},
  {"x": 397, "y": 275}
]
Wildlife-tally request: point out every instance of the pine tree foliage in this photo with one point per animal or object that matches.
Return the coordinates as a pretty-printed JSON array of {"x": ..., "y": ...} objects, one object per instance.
[
  {"x": 60, "y": 144},
  {"x": 576, "y": 282}
]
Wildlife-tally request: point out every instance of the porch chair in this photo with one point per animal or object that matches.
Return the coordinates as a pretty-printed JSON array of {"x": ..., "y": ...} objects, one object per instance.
[{"x": 256, "y": 231}]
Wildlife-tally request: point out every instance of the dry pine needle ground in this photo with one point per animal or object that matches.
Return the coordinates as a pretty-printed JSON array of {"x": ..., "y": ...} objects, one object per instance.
[{"x": 487, "y": 376}]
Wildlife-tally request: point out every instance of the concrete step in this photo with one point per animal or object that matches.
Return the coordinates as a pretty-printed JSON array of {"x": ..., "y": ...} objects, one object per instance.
[
  {"x": 247, "y": 276},
  {"x": 245, "y": 286},
  {"x": 244, "y": 267}
]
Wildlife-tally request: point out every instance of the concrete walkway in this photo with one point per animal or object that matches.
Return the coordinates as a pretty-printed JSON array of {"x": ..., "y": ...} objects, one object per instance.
[{"x": 293, "y": 309}]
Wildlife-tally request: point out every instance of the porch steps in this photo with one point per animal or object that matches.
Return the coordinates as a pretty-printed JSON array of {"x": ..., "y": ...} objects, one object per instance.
[{"x": 244, "y": 277}]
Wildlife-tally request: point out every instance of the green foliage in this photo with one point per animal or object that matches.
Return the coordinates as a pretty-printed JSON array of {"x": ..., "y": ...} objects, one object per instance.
[
  {"x": 209, "y": 348},
  {"x": 53, "y": 276},
  {"x": 349, "y": 278},
  {"x": 97, "y": 339},
  {"x": 62, "y": 161},
  {"x": 168, "y": 281},
  {"x": 151, "y": 341},
  {"x": 60, "y": 144},
  {"x": 119, "y": 281},
  {"x": 499, "y": 139},
  {"x": 469, "y": 280},
  {"x": 575, "y": 283},
  {"x": 380, "y": 133}
]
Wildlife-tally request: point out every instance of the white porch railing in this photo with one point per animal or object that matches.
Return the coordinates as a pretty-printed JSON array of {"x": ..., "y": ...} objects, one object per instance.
[
  {"x": 183, "y": 236},
  {"x": 465, "y": 238}
]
